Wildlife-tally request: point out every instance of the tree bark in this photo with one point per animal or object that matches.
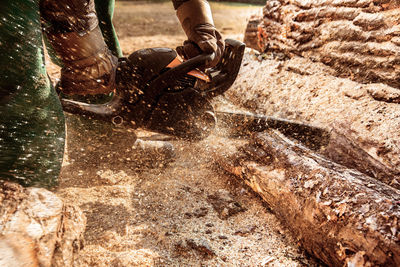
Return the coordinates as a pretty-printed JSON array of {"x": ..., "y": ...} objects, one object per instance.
[
  {"x": 339, "y": 215},
  {"x": 335, "y": 144},
  {"x": 37, "y": 228},
  {"x": 341, "y": 149},
  {"x": 359, "y": 39}
]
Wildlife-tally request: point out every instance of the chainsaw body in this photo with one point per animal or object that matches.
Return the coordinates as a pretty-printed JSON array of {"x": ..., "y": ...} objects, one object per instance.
[{"x": 158, "y": 92}]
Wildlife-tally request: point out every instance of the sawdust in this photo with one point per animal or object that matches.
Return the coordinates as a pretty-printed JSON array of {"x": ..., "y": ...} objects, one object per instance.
[
  {"x": 182, "y": 213},
  {"x": 188, "y": 213}
]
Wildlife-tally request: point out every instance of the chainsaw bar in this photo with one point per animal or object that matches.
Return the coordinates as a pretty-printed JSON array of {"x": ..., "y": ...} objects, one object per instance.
[{"x": 242, "y": 124}]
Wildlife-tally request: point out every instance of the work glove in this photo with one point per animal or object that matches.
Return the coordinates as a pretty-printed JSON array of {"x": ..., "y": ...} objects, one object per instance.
[{"x": 197, "y": 22}]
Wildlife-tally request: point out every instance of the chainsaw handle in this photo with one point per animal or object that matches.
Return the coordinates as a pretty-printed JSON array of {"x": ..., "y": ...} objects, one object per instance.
[
  {"x": 199, "y": 61},
  {"x": 224, "y": 74},
  {"x": 169, "y": 78}
]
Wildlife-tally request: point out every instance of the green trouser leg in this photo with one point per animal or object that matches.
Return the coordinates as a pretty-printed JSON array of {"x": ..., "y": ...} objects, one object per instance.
[
  {"x": 32, "y": 132},
  {"x": 105, "y": 12}
]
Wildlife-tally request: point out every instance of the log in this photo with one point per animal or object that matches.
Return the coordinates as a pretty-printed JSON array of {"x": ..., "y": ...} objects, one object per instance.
[
  {"x": 37, "y": 228},
  {"x": 339, "y": 215},
  {"x": 251, "y": 38},
  {"x": 306, "y": 91},
  {"x": 359, "y": 39},
  {"x": 342, "y": 149},
  {"x": 335, "y": 144}
]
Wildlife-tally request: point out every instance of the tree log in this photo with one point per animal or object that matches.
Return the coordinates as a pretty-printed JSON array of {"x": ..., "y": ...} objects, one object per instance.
[
  {"x": 37, "y": 228},
  {"x": 341, "y": 149},
  {"x": 251, "y": 34},
  {"x": 359, "y": 39},
  {"x": 339, "y": 215},
  {"x": 335, "y": 144}
]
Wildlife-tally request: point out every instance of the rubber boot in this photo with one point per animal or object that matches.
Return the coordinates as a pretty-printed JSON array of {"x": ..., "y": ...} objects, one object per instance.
[
  {"x": 72, "y": 29},
  {"x": 104, "y": 10},
  {"x": 32, "y": 132}
]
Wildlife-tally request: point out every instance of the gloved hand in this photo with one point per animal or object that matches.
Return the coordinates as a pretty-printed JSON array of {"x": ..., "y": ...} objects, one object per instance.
[{"x": 197, "y": 22}]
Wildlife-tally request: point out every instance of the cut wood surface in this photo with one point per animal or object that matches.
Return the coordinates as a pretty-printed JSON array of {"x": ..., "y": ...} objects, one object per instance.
[
  {"x": 37, "y": 228},
  {"x": 339, "y": 215},
  {"x": 359, "y": 39}
]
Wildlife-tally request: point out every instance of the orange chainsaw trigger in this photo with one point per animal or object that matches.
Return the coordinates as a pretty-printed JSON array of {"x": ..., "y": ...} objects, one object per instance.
[{"x": 195, "y": 73}]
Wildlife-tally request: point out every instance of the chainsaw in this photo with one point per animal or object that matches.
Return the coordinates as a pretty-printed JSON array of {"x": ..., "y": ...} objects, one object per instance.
[{"x": 158, "y": 91}]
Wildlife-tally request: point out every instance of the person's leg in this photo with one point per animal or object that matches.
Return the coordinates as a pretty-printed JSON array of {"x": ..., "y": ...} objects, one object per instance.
[
  {"x": 32, "y": 132},
  {"x": 73, "y": 31},
  {"x": 105, "y": 12}
]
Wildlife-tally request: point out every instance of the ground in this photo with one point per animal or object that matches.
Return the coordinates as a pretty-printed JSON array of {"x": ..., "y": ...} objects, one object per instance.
[{"x": 181, "y": 213}]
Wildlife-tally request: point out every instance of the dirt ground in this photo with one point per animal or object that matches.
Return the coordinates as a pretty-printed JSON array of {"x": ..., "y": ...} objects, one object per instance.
[{"x": 181, "y": 213}]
